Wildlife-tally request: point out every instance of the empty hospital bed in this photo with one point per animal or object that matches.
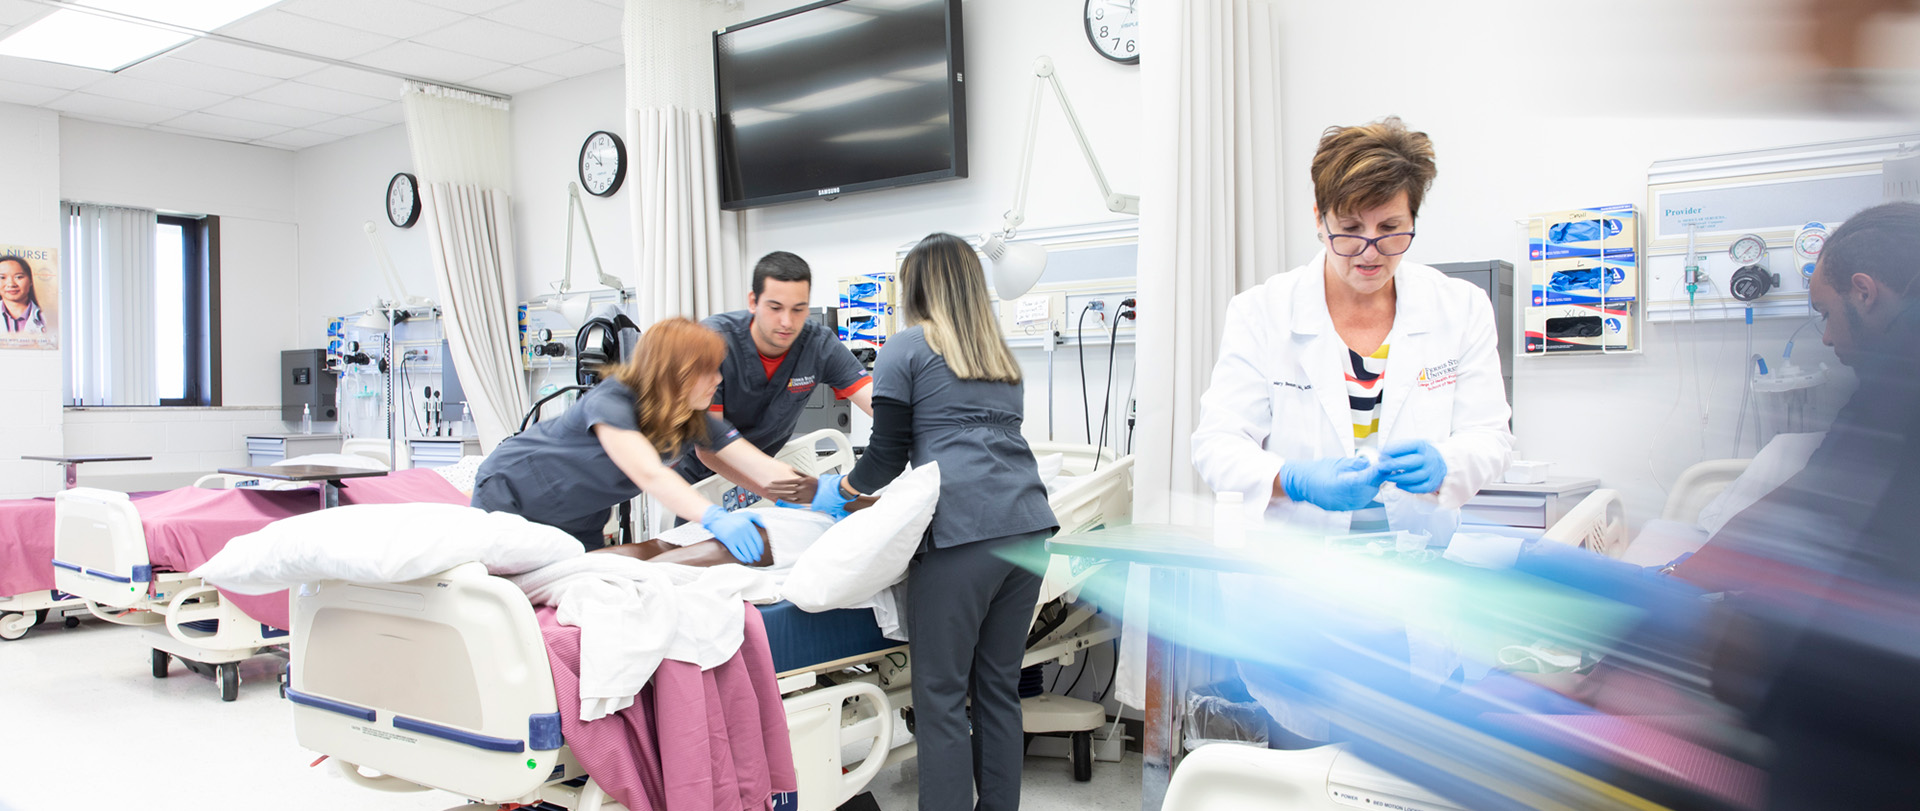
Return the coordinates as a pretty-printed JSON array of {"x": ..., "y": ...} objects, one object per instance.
[{"x": 485, "y": 735}]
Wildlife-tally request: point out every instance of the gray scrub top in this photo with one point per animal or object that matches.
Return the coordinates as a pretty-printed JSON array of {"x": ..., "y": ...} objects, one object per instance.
[
  {"x": 989, "y": 482},
  {"x": 765, "y": 409},
  {"x": 557, "y": 471}
]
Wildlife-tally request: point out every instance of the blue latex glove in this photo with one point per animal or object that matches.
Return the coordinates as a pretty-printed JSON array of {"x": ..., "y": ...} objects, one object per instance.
[
  {"x": 1337, "y": 485},
  {"x": 1413, "y": 464},
  {"x": 828, "y": 497},
  {"x": 735, "y": 531}
]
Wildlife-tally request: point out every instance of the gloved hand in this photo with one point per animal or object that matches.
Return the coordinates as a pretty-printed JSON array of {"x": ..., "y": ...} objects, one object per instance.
[
  {"x": 1413, "y": 464},
  {"x": 1337, "y": 485},
  {"x": 735, "y": 531},
  {"x": 829, "y": 498}
]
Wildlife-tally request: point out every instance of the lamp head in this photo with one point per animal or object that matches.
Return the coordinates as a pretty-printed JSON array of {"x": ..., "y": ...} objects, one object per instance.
[
  {"x": 1016, "y": 267},
  {"x": 372, "y": 319},
  {"x": 572, "y": 308}
]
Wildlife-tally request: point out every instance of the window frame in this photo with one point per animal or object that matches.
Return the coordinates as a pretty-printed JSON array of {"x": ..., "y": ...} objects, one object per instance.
[{"x": 200, "y": 291}]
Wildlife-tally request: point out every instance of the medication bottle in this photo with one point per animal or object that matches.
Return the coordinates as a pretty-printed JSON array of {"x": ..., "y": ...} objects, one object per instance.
[
  {"x": 1229, "y": 527},
  {"x": 306, "y": 419}
]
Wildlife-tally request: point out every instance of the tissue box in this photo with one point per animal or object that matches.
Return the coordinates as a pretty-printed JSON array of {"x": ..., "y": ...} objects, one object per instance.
[{"x": 1524, "y": 472}]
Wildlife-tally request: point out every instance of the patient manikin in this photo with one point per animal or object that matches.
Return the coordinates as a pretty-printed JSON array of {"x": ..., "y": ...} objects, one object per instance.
[{"x": 788, "y": 533}]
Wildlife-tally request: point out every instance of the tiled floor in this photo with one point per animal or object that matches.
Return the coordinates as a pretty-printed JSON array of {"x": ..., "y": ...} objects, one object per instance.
[{"x": 83, "y": 725}]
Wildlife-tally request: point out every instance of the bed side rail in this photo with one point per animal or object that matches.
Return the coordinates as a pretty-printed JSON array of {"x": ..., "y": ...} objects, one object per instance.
[
  {"x": 441, "y": 681},
  {"x": 99, "y": 547},
  {"x": 1598, "y": 523},
  {"x": 1699, "y": 485},
  {"x": 825, "y": 721}
]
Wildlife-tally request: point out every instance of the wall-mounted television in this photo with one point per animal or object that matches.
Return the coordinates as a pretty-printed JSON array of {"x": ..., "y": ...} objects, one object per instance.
[{"x": 839, "y": 97}]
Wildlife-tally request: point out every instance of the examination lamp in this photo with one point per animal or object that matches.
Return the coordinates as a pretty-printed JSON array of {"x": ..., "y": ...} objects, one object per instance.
[
  {"x": 1016, "y": 267},
  {"x": 575, "y": 310},
  {"x": 374, "y": 318}
]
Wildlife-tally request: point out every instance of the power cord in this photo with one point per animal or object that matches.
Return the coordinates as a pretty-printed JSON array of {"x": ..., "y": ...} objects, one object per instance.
[
  {"x": 1124, "y": 311},
  {"x": 1080, "y": 347}
]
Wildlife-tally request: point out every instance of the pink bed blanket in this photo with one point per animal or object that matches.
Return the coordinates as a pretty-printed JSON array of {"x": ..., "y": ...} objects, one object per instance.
[
  {"x": 186, "y": 527},
  {"x": 693, "y": 740}
]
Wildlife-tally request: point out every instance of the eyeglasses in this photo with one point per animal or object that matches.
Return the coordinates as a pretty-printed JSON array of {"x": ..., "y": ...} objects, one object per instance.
[{"x": 1354, "y": 245}]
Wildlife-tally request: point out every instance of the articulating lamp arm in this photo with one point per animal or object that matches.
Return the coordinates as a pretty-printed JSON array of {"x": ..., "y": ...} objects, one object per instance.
[{"x": 573, "y": 204}]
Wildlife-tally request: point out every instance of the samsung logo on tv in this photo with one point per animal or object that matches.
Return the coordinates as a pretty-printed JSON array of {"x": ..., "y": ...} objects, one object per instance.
[{"x": 828, "y": 192}]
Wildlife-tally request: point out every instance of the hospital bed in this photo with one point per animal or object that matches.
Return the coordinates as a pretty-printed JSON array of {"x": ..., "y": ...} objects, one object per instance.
[
  {"x": 471, "y": 714},
  {"x": 101, "y": 556},
  {"x": 1598, "y": 523}
]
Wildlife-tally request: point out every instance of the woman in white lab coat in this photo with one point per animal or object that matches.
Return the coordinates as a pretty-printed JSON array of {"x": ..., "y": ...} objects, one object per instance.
[
  {"x": 1356, "y": 356},
  {"x": 1357, "y": 349}
]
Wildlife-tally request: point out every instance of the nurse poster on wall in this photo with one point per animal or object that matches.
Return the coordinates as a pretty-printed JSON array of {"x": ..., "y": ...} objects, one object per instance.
[{"x": 29, "y": 298}]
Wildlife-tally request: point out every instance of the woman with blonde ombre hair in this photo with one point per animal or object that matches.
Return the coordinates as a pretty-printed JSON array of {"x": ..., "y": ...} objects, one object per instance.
[
  {"x": 622, "y": 438},
  {"x": 947, "y": 390}
]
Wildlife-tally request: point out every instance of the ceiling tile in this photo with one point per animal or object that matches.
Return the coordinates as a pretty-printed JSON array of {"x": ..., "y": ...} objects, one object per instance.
[
  {"x": 487, "y": 39},
  {"x": 426, "y": 62},
  {"x": 514, "y": 80},
  {"x": 267, "y": 113},
  {"x": 115, "y": 110},
  {"x": 614, "y": 45},
  {"x": 30, "y": 95},
  {"x": 47, "y": 74},
  {"x": 348, "y": 125},
  {"x": 298, "y": 139},
  {"x": 13, "y": 12},
  {"x": 198, "y": 76},
  {"x": 582, "y": 21},
  {"x": 222, "y": 126},
  {"x": 307, "y": 35},
  {"x": 355, "y": 81},
  {"x": 464, "y": 6},
  {"x": 395, "y": 18},
  {"x": 306, "y": 96},
  {"x": 577, "y": 62},
  {"x": 244, "y": 59},
  {"x": 133, "y": 88},
  {"x": 395, "y": 113}
]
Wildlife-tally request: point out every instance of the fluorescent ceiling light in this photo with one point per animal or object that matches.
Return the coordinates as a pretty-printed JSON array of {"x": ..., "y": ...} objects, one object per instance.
[
  {"x": 844, "y": 94},
  {"x": 885, "y": 5},
  {"x": 89, "y": 41},
  {"x": 72, "y": 36},
  {"x": 799, "y": 26}
]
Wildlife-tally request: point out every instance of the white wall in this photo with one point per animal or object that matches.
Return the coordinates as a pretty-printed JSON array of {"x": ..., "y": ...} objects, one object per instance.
[
  {"x": 549, "y": 125},
  {"x": 30, "y": 405},
  {"x": 184, "y": 442},
  {"x": 860, "y": 233},
  {"x": 1520, "y": 127},
  {"x": 341, "y": 186}
]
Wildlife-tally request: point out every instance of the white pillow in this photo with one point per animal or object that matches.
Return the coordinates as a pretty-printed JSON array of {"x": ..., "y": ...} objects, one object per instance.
[
  {"x": 790, "y": 531},
  {"x": 1786, "y": 455},
  {"x": 868, "y": 550},
  {"x": 352, "y": 460},
  {"x": 383, "y": 543}
]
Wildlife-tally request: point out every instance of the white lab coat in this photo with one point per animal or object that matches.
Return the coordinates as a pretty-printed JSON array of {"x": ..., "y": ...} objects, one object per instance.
[
  {"x": 1279, "y": 393},
  {"x": 1279, "y": 390}
]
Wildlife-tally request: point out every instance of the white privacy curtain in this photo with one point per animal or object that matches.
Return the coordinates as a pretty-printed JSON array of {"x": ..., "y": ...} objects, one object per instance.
[
  {"x": 1210, "y": 227},
  {"x": 461, "y": 156},
  {"x": 108, "y": 304},
  {"x": 688, "y": 250}
]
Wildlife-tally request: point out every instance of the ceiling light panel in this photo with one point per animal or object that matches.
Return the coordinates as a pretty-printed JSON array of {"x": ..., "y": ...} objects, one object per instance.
[
  {"x": 199, "y": 15},
  {"x": 89, "y": 40}
]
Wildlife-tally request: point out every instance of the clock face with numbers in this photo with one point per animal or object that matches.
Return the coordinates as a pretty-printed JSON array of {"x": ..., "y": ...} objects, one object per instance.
[
  {"x": 603, "y": 163},
  {"x": 403, "y": 200},
  {"x": 1113, "y": 27}
]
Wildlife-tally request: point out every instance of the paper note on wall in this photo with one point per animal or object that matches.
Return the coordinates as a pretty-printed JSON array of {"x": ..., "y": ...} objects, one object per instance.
[{"x": 1031, "y": 310}]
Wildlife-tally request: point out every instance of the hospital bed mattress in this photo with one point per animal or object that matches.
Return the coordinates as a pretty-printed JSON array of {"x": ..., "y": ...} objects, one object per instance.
[{"x": 800, "y": 640}]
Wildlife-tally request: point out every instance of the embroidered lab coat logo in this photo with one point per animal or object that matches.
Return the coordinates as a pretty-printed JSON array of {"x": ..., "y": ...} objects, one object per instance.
[
  {"x": 800, "y": 385},
  {"x": 1434, "y": 377}
]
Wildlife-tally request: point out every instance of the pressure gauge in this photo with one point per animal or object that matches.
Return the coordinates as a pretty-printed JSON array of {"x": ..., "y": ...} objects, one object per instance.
[
  {"x": 1807, "y": 246},
  {"x": 1748, "y": 250}
]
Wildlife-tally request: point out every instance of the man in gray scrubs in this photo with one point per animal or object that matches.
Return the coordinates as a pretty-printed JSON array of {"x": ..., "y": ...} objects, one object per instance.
[{"x": 775, "y": 358}]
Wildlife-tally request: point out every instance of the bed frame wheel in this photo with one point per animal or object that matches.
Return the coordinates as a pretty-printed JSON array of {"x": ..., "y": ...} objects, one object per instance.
[
  {"x": 15, "y": 624},
  {"x": 160, "y": 660},
  {"x": 229, "y": 674},
  {"x": 1082, "y": 756},
  {"x": 72, "y": 621}
]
